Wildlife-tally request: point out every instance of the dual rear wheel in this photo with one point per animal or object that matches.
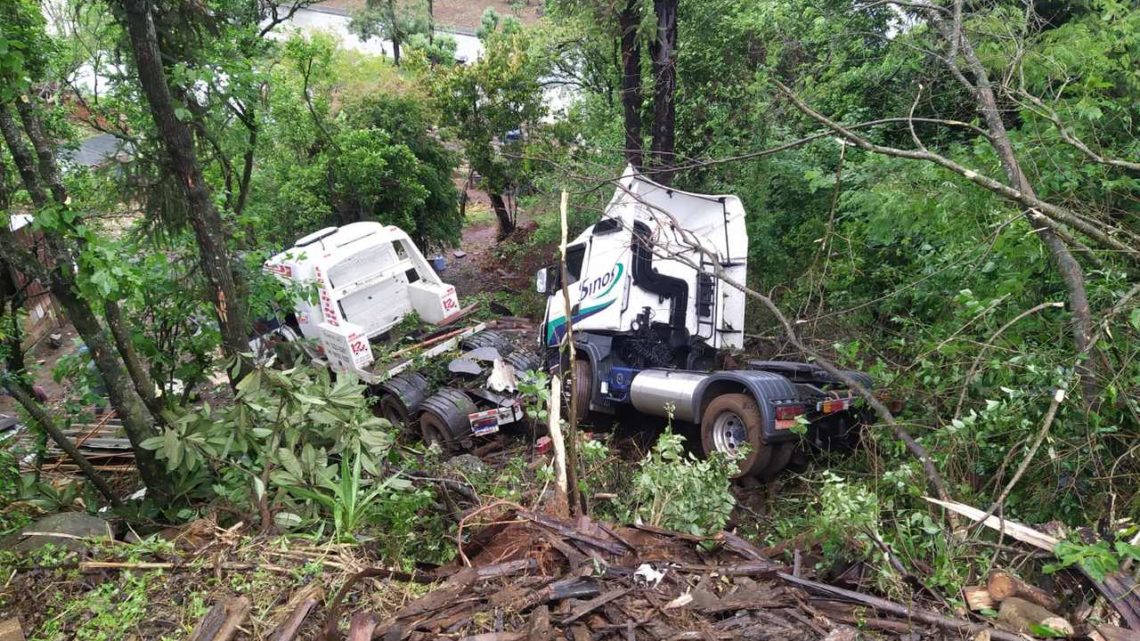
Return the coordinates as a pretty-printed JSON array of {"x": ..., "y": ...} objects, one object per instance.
[{"x": 733, "y": 424}]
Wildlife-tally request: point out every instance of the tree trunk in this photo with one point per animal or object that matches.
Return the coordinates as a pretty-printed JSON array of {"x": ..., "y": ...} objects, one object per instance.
[
  {"x": 396, "y": 50},
  {"x": 137, "y": 420},
  {"x": 45, "y": 153},
  {"x": 140, "y": 374},
  {"x": 49, "y": 171},
  {"x": 209, "y": 230},
  {"x": 663, "y": 51},
  {"x": 628, "y": 20},
  {"x": 506, "y": 223},
  {"x": 21, "y": 156},
  {"x": 60, "y": 279},
  {"x": 1071, "y": 272}
]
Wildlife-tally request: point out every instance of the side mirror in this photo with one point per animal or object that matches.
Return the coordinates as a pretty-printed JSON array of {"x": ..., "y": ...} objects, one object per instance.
[
  {"x": 540, "y": 280},
  {"x": 547, "y": 280}
]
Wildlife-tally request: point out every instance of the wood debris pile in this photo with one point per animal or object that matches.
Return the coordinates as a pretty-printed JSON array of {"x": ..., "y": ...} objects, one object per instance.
[
  {"x": 103, "y": 442},
  {"x": 535, "y": 577}
]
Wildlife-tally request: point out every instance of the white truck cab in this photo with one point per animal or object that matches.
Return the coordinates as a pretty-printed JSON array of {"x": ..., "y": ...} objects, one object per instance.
[{"x": 368, "y": 277}]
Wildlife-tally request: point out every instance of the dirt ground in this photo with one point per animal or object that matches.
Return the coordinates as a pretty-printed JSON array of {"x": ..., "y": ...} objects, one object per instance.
[
  {"x": 478, "y": 266},
  {"x": 460, "y": 14},
  {"x": 41, "y": 359}
]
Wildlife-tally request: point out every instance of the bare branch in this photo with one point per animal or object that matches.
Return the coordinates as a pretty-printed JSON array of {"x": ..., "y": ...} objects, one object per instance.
[
  {"x": 1048, "y": 213},
  {"x": 1037, "y": 106},
  {"x": 918, "y": 6}
]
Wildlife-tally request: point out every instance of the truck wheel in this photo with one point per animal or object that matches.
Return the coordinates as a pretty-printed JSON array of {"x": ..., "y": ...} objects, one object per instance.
[
  {"x": 444, "y": 420},
  {"x": 733, "y": 420},
  {"x": 486, "y": 338},
  {"x": 583, "y": 374},
  {"x": 781, "y": 455},
  {"x": 523, "y": 361},
  {"x": 401, "y": 396}
]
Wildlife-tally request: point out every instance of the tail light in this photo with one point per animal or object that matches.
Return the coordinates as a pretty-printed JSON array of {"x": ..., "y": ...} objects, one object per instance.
[
  {"x": 786, "y": 415},
  {"x": 833, "y": 405}
]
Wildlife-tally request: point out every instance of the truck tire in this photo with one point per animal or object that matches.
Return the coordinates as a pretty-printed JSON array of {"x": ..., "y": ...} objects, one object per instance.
[
  {"x": 486, "y": 338},
  {"x": 444, "y": 420},
  {"x": 781, "y": 455},
  {"x": 732, "y": 420},
  {"x": 583, "y": 374},
  {"x": 523, "y": 361},
  {"x": 401, "y": 397}
]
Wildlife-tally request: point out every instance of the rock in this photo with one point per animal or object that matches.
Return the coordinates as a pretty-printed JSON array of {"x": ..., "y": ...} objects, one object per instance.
[
  {"x": 66, "y": 530},
  {"x": 10, "y": 630},
  {"x": 465, "y": 464},
  {"x": 842, "y": 633}
]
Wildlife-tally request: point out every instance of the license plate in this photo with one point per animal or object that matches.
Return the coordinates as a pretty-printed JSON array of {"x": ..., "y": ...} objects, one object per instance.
[
  {"x": 484, "y": 423},
  {"x": 488, "y": 422}
]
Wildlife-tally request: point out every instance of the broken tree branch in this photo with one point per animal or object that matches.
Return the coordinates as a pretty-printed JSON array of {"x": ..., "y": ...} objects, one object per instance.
[
  {"x": 931, "y": 618},
  {"x": 1053, "y": 213}
]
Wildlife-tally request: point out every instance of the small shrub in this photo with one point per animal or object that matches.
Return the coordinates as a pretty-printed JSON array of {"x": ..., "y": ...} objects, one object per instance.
[{"x": 673, "y": 489}]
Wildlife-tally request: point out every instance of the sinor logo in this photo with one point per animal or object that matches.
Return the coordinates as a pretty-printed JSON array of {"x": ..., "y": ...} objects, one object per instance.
[{"x": 600, "y": 286}]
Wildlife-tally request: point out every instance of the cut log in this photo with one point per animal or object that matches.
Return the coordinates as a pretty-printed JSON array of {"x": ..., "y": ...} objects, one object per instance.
[
  {"x": 978, "y": 598},
  {"x": 1002, "y": 585},
  {"x": 1118, "y": 588},
  {"x": 1027, "y": 617},
  {"x": 306, "y": 601}
]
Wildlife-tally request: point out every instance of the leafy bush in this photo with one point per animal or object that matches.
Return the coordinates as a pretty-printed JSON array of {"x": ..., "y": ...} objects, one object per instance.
[
  {"x": 288, "y": 435},
  {"x": 675, "y": 490}
]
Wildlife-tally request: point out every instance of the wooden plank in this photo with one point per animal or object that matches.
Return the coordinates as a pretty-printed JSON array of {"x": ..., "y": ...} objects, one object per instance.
[{"x": 1012, "y": 529}]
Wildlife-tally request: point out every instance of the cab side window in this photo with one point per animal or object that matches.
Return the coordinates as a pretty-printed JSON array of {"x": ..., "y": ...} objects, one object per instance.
[{"x": 575, "y": 254}]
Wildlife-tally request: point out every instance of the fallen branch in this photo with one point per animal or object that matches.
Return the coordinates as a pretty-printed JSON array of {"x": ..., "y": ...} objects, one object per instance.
[
  {"x": 287, "y": 631},
  {"x": 1050, "y": 414},
  {"x": 915, "y": 614}
]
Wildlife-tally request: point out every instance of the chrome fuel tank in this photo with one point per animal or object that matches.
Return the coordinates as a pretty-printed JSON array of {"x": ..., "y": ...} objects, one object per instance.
[{"x": 655, "y": 389}]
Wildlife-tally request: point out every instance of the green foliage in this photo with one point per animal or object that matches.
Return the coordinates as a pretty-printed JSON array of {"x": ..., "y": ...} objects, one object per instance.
[
  {"x": 24, "y": 48},
  {"x": 349, "y": 501},
  {"x": 291, "y": 421},
  {"x": 534, "y": 388},
  {"x": 1096, "y": 559},
  {"x": 673, "y": 489},
  {"x": 342, "y": 147},
  {"x": 45, "y": 496},
  {"x": 393, "y": 20},
  {"x": 489, "y": 97},
  {"x": 113, "y": 610}
]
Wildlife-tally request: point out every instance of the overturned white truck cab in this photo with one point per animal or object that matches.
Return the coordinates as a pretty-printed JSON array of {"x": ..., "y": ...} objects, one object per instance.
[
  {"x": 367, "y": 278},
  {"x": 654, "y": 307}
]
